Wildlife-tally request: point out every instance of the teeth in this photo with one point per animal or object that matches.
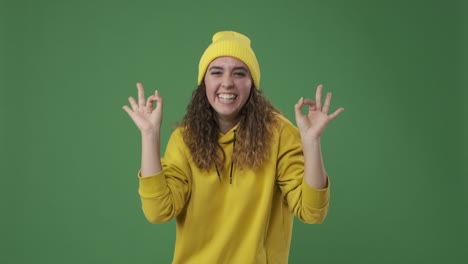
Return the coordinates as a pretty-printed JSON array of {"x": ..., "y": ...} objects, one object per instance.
[{"x": 227, "y": 96}]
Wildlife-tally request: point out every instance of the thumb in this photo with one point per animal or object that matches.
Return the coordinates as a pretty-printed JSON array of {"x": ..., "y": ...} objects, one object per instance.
[
  {"x": 298, "y": 108},
  {"x": 159, "y": 100}
]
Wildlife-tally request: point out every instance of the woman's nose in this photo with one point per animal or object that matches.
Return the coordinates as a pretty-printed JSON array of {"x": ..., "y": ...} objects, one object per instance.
[{"x": 227, "y": 81}]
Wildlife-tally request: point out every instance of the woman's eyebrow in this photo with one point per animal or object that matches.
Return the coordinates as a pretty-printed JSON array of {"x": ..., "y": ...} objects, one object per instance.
[
  {"x": 234, "y": 69},
  {"x": 215, "y": 68},
  {"x": 240, "y": 68}
]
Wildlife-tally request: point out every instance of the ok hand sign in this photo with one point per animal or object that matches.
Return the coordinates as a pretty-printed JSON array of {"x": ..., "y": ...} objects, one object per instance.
[
  {"x": 147, "y": 119},
  {"x": 312, "y": 124}
]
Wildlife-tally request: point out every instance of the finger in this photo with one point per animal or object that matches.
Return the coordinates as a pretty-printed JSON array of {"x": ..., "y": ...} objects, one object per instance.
[
  {"x": 318, "y": 97},
  {"x": 298, "y": 108},
  {"x": 159, "y": 101},
  {"x": 141, "y": 95},
  {"x": 312, "y": 108},
  {"x": 128, "y": 110},
  {"x": 336, "y": 113},
  {"x": 309, "y": 102},
  {"x": 149, "y": 104},
  {"x": 133, "y": 103},
  {"x": 158, "y": 97},
  {"x": 326, "y": 105}
]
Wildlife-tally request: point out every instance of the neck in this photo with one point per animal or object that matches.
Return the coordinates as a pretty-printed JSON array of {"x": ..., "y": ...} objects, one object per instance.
[{"x": 226, "y": 125}]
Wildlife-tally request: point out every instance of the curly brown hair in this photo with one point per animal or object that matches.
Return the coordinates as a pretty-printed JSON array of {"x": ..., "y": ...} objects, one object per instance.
[{"x": 201, "y": 131}]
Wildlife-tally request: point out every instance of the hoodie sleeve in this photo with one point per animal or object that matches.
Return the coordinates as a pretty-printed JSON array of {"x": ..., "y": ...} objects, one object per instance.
[
  {"x": 308, "y": 204},
  {"x": 164, "y": 195}
]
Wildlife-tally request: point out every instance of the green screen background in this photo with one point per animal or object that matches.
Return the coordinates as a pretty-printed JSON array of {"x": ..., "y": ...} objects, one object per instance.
[{"x": 70, "y": 154}]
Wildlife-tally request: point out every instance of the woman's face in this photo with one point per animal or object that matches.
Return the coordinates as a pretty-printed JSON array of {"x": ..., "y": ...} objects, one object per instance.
[{"x": 228, "y": 83}]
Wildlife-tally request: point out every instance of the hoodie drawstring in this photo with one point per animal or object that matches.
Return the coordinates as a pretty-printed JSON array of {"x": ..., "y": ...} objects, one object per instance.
[
  {"x": 232, "y": 160},
  {"x": 232, "y": 156}
]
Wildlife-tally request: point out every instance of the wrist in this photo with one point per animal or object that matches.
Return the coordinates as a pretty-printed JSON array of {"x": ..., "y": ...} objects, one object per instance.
[
  {"x": 150, "y": 135},
  {"x": 312, "y": 141}
]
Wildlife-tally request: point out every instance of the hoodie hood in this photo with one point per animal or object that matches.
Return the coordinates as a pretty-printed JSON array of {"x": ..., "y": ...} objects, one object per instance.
[{"x": 228, "y": 138}]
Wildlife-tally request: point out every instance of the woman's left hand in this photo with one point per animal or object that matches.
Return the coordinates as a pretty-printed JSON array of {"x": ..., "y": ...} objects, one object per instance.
[{"x": 312, "y": 124}]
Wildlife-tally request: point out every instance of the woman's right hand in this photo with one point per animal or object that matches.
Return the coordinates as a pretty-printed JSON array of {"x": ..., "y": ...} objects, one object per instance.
[{"x": 147, "y": 118}]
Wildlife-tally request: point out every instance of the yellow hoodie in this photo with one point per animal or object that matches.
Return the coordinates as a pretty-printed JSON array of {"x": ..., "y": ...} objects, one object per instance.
[{"x": 247, "y": 221}]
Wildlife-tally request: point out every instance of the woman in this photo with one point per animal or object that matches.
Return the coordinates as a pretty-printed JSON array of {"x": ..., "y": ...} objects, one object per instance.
[{"x": 236, "y": 171}]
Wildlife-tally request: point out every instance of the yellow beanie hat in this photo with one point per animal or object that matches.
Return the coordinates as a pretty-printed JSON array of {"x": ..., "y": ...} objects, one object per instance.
[{"x": 232, "y": 44}]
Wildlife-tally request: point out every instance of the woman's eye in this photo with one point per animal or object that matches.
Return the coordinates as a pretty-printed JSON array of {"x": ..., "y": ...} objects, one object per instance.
[
  {"x": 215, "y": 73},
  {"x": 240, "y": 74}
]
